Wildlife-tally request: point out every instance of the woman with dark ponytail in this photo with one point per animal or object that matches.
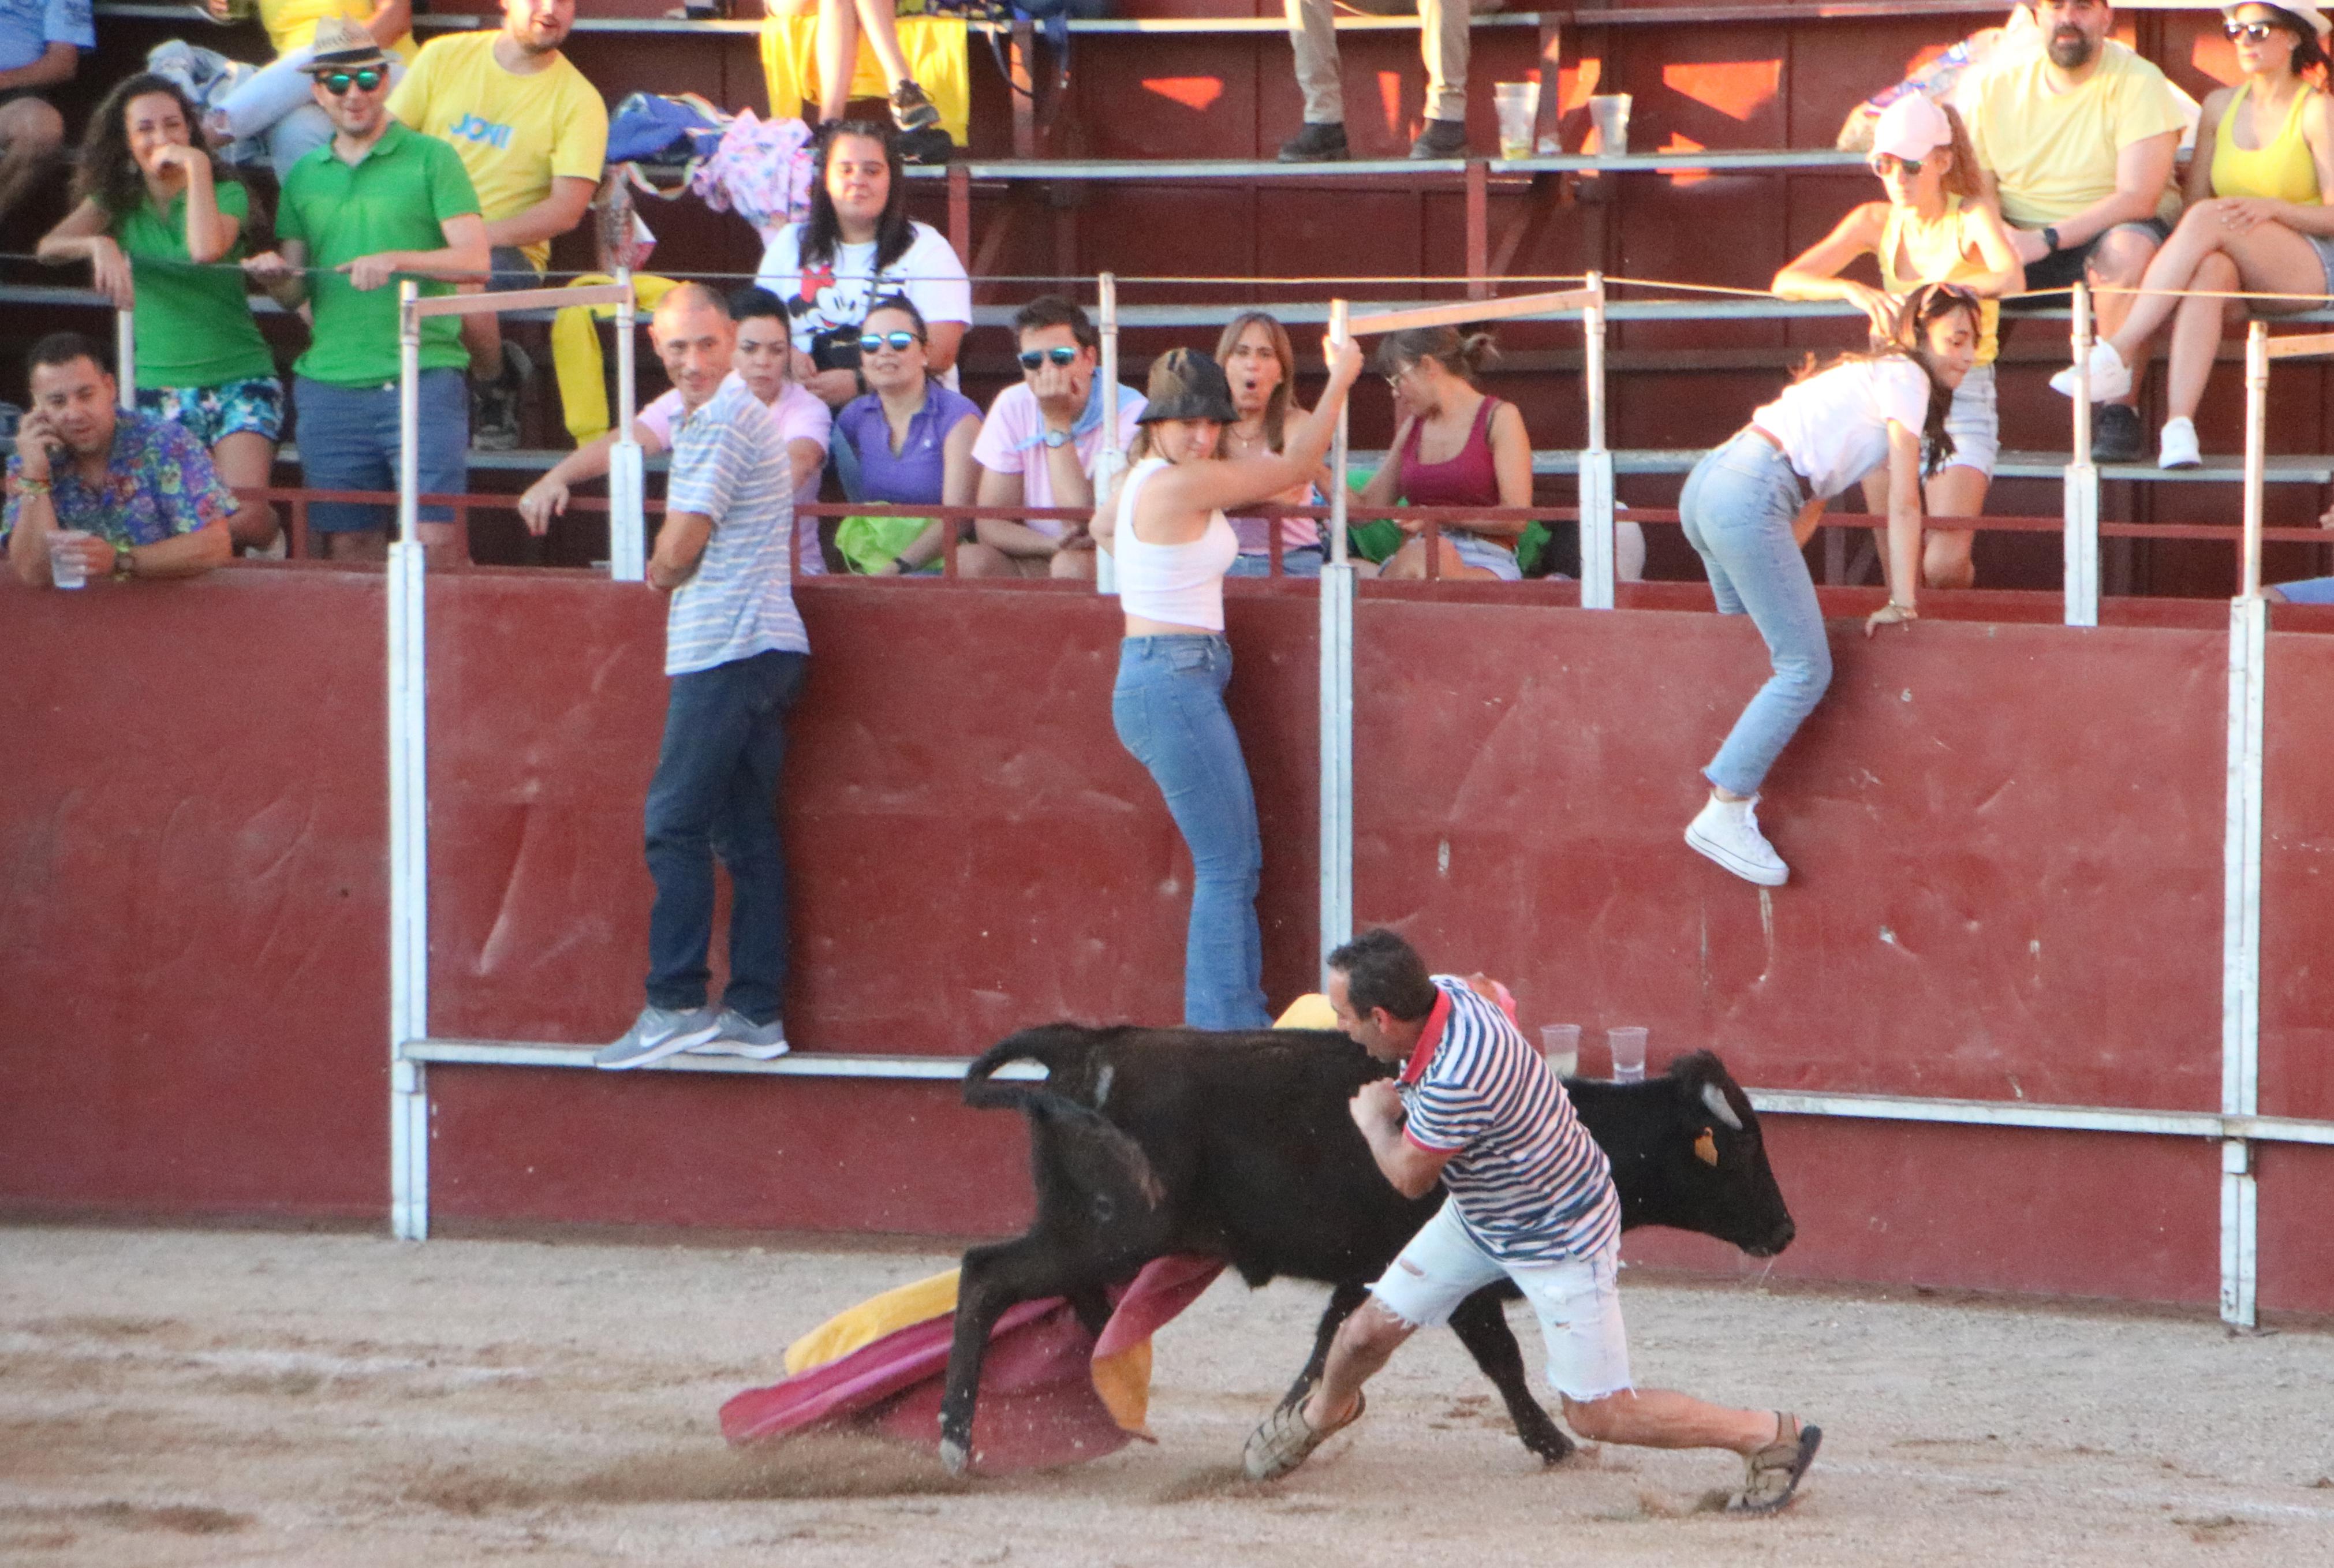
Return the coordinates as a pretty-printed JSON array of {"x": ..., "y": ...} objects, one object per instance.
[
  {"x": 1750, "y": 505},
  {"x": 1454, "y": 444}
]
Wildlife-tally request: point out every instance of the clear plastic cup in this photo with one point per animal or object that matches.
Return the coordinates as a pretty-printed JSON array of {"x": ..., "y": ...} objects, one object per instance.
[
  {"x": 1628, "y": 1053},
  {"x": 68, "y": 568},
  {"x": 1518, "y": 106},
  {"x": 1609, "y": 112},
  {"x": 1560, "y": 1044}
]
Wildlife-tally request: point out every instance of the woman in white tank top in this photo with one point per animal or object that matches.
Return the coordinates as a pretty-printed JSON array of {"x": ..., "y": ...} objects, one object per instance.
[{"x": 1163, "y": 524}]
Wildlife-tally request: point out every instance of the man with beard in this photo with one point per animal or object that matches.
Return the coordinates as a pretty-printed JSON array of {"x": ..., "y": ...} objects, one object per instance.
[
  {"x": 138, "y": 489},
  {"x": 533, "y": 133},
  {"x": 2075, "y": 146}
]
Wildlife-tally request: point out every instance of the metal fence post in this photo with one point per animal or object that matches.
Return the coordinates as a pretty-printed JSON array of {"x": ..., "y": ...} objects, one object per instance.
[
  {"x": 1337, "y": 688},
  {"x": 1596, "y": 465},
  {"x": 2080, "y": 498},
  {"x": 1111, "y": 458},
  {"x": 628, "y": 533},
  {"x": 125, "y": 358},
  {"x": 409, "y": 806}
]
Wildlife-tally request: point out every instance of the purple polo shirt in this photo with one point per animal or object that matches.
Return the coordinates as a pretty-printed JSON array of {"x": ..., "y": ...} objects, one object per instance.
[{"x": 914, "y": 473}]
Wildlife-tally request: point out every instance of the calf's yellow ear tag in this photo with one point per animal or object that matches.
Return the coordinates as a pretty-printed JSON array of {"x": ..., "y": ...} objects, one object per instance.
[{"x": 1705, "y": 1147}]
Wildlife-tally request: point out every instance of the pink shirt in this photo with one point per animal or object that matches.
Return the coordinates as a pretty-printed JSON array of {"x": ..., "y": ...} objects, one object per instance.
[
  {"x": 798, "y": 416},
  {"x": 1012, "y": 441}
]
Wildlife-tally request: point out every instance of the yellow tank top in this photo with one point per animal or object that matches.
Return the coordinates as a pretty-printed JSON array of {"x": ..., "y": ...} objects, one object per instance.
[
  {"x": 2281, "y": 170},
  {"x": 1938, "y": 251}
]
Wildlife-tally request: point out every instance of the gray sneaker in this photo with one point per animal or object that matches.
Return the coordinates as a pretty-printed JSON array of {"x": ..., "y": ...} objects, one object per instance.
[
  {"x": 658, "y": 1033},
  {"x": 739, "y": 1035}
]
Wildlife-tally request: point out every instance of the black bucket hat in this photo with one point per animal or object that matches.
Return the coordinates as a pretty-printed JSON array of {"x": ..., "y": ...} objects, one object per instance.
[{"x": 1186, "y": 384}]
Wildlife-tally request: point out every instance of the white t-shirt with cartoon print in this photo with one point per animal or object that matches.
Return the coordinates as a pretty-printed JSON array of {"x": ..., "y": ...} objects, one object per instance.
[{"x": 819, "y": 300}]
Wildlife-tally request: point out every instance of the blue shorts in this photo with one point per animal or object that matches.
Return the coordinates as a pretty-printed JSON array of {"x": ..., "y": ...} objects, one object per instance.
[
  {"x": 212, "y": 414},
  {"x": 347, "y": 441},
  {"x": 2309, "y": 591}
]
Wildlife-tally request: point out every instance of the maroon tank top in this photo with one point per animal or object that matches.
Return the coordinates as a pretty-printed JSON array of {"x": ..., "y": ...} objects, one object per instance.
[{"x": 1469, "y": 480}]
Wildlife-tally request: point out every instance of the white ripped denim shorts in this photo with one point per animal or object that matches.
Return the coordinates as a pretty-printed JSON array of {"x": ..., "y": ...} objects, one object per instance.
[{"x": 1576, "y": 1300}]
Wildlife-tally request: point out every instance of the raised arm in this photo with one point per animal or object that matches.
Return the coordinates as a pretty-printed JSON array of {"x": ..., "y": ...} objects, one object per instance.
[{"x": 1204, "y": 488}]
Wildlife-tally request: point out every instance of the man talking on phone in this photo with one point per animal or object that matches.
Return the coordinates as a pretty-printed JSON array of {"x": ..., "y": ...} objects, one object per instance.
[{"x": 129, "y": 494}]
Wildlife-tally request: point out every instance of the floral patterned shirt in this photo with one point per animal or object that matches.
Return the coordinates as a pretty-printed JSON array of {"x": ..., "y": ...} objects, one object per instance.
[{"x": 158, "y": 483}]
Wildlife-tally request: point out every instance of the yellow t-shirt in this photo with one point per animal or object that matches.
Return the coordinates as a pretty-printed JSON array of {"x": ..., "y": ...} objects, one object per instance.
[
  {"x": 515, "y": 134},
  {"x": 1943, "y": 252},
  {"x": 292, "y": 23},
  {"x": 2054, "y": 153}
]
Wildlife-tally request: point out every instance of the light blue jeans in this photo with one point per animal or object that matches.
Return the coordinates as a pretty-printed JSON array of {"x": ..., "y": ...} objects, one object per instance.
[
  {"x": 1738, "y": 507},
  {"x": 1169, "y": 711}
]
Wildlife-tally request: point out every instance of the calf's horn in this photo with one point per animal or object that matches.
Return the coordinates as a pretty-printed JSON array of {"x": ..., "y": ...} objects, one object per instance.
[{"x": 1715, "y": 1098}]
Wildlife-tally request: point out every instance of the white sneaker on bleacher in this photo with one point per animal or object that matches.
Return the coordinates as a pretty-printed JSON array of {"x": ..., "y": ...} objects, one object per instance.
[{"x": 2177, "y": 449}]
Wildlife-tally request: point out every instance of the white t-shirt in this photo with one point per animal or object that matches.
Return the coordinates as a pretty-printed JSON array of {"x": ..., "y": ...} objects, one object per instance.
[
  {"x": 1835, "y": 425},
  {"x": 797, "y": 416},
  {"x": 1012, "y": 441},
  {"x": 824, "y": 298}
]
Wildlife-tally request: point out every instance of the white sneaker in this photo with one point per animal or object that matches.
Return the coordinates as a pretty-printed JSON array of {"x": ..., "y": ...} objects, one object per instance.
[
  {"x": 2178, "y": 448},
  {"x": 1728, "y": 833},
  {"x": 2111, "y": 377}
]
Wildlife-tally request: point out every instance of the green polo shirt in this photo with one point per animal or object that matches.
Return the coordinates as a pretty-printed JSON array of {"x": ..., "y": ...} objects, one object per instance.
[
  {"x": 194, "y": 323},
  {"x": 393, "y": 198}
]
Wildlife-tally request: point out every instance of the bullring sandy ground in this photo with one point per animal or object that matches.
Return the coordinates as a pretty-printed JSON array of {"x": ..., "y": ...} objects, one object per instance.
[{"x": 173, "y": 1397}]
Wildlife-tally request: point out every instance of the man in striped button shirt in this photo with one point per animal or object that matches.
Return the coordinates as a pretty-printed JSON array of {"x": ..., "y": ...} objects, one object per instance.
[
  {"x": 737, "y": 653},
  {"x": 1531, "y": 1197}
]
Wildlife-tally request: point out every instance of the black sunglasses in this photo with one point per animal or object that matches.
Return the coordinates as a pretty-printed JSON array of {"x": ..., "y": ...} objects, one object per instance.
[
  {"x": 869, "y": 342},
  {"x": 1881, "y": 163},
  {"x": 339, "y": 82},
  {"x": 1032, "y": 358},
  {"x": 2258, "y": 32}
]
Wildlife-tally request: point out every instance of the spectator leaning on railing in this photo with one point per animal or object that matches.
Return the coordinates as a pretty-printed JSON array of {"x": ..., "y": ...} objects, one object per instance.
[
  {"x": 2257, "y": 218},
  {"x": 140, "y": 489},
  {"x": 534, "y": 134},
  {"x": 1930, "y": 229},
  {"x": 2077, "y": 145},
  {"x": 912, "y": 437},
  {"x": 161, "y": 232},
  {"x": 275, "y": 101},
  {"x": 41, "y": 46},
  {"x": 1038, "y": 447},
  {"x": 1455, "y": 446},
  {"x": 375, "y": 202},
  {"x": 758, "y": 360},
  {"x": 1749, "y": 505},
  {"x": 858, "y": 245},
  {"x": 737, "y": 653}
]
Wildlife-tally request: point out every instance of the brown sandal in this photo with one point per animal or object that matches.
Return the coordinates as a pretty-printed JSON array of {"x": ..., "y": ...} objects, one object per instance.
[
  {"x": 1286, "y": 1440},
  {"x": 1774, "y": 1472}
]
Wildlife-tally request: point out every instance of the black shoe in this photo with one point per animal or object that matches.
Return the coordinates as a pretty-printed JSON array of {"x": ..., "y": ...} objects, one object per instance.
[
  {"x": 2115, "y": 435},
  {"x": 494, "y": 405},
  {"x": 1316, "y": 144},
  {"x": 929, "y": 146},
  {"x": 910, "y": 110},
  {"x": 1440, "y": 139}
]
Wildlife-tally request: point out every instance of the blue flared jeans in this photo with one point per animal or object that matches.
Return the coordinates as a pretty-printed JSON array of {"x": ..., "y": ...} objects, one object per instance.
[
  {"x": 1169, "y": 710},
  {"x": 1738, "y": 508}
]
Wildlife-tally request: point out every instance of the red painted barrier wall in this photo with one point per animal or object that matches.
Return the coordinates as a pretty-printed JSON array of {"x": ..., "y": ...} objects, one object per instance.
[{"x": 2005, "y": 836}]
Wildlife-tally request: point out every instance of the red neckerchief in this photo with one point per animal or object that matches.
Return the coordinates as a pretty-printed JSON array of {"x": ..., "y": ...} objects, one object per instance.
[{"x": 1428, "y": 1038}]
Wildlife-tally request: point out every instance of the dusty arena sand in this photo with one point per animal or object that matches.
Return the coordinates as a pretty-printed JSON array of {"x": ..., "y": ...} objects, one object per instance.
[{"x": 171, "y": 1397}]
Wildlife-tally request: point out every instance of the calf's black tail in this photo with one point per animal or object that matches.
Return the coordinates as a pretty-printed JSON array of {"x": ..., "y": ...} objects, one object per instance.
[{"x": 1094, "y": 1152}]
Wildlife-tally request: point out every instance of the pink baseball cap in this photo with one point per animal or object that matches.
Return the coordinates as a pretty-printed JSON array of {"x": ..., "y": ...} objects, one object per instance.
[{"x": 1911, "y": 128}]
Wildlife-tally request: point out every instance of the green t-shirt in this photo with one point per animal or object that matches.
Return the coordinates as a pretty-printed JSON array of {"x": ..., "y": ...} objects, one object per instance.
[
  {"x": 193, "y": 323},
  {"x": 393, "y": 198}
]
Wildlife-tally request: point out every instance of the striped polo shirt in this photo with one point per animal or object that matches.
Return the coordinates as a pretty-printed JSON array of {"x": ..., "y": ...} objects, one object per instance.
[
  {"x": 729, "y": 464},
  {"x": 1529, "y": 1182}
]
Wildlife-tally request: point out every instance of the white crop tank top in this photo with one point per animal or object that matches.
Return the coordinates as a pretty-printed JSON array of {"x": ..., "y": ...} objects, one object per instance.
[{"x": 1182, "y": 585}]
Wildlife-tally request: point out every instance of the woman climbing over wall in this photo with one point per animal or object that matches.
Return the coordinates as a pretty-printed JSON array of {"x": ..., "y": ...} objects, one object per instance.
[
  {"x": 1930, "y": 229},
  {"x": 1163, "y": 523},
  {"x": 1750, "y": 503}
]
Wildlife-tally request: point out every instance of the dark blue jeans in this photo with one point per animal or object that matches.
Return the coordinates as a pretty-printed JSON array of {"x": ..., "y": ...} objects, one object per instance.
[
  {"x": 716, "y": 793},
  {"x": 1169, "y": 711}
]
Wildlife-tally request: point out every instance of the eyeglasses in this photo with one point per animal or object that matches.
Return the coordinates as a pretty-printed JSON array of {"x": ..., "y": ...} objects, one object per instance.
[
  {"x": 2258, "y": 32},
  {"x": 870, "y": 342},
  {"x": 1032, "y": 358},
  {"x": 1885, "y": 164},
  {"x": 337, "y": 82}
]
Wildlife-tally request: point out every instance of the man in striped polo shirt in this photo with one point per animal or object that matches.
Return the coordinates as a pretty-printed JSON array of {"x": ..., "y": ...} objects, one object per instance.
[
  {"x": 1530, "y": 1197},
  {"x": 736, "y": 650}
]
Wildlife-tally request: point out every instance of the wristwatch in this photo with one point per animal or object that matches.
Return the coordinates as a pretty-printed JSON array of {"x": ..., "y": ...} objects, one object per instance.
[
  {"x": 1058, "y": 437},
  {"x": 2050, "y": 237},
  {"x": 121, "y": 567}
]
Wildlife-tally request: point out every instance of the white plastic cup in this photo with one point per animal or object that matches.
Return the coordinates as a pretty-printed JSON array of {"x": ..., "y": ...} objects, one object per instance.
[
  {"x": 1628, "y": 1053},
  {"x": 1518, "y": 106},
  {"x": 1560, "y": 1044},
  {"x": 1609, "y": 112},
  {"x": 68, "y": 568}
]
